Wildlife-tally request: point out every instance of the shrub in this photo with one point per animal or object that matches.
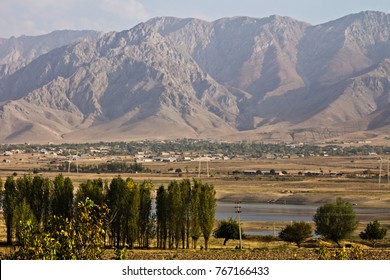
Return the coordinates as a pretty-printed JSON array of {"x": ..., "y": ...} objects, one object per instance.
[
  {"x": 80, "y": 238},
  {"x": 227, "y": 229},
  {"x": 297, "y": 232},
  {"x": 373, "y": 232}
]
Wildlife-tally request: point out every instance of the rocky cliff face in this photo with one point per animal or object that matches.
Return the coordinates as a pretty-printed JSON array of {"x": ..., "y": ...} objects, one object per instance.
[
  {"x": 15, "y": 53},
  {"x": 271, "y": 78}
]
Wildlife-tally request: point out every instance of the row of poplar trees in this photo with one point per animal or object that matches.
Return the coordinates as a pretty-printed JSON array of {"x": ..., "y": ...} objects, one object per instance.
[{"x": 184, "y": 210}]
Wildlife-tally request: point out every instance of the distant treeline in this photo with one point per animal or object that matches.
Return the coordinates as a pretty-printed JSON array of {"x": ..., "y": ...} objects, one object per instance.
[
  {"x": 183, "y": 211},
  {"x": 108, "y": 167}
]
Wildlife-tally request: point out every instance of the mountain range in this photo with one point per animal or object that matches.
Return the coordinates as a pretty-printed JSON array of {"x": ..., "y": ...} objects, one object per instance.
[{"x": 266, "y": 79}]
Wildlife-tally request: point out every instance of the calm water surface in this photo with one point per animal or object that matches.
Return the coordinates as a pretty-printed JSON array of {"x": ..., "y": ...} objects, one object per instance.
[{"x": 264, "y": 212}]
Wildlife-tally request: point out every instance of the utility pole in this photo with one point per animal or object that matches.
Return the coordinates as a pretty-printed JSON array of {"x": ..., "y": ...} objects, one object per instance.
[
  {"x": 69, "y": 161},
  {"x": 199, "y": 168},
  {"x": 238, "y": 211},
  {"x": 380, "y": 171},
  {"x": 77, "y": 163},
  {"x": 207, "y": 168}
]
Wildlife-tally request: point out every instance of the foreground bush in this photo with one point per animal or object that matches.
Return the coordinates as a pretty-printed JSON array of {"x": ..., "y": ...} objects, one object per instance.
[
  {"x": 373, "y": 232},
  {"x": 81, "y": 238},
  {"x": 297, "y": 232}
]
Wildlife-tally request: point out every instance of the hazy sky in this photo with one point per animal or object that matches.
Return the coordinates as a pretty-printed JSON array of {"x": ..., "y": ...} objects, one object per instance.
[{"x": 34, "y": 17}]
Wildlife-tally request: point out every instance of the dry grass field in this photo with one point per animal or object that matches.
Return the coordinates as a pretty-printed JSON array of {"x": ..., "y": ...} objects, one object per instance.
[{"x": 359, "y": 184}]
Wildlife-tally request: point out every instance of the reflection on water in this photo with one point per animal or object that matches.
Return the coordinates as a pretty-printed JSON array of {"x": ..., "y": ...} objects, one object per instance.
[
  {"x": 262, "y": 232},
  {"x": 263, "y": 212}
]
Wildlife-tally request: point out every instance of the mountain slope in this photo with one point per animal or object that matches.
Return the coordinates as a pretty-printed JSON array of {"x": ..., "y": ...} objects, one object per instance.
[
  {"x": 123, "y": 81},
  {"x": 16, "y": 53},
  {"x": 273, "y": 79}
]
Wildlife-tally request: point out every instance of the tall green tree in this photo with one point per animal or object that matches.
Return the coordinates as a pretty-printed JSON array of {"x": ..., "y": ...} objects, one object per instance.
[
  {"x": 185, "y": 195},
  {"x": 207, "y": 202},
  {"x": 93, "y": 189},
  {"x": 24, "y": 186},
  {"x": 34, "y": 191},
  {"x": 175, "y": 217},
  {"x": 9, "y": 205},
  {"x": 195, "y": 231},
  {"x": 162, "y": 217},
  {"x": 145, "y": 214},
  {"x": 116, "y": 202},
  {"x": 39, "y": 198},
  {"x": 132, "y": 215},
  {"x": 62, "y": 197},
  {"x": 335, "y": 221},
  {"x": 46, "y": 200}
]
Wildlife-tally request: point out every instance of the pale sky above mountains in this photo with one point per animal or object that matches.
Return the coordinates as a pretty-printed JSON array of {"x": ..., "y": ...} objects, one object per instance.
[{"x": 34, "y": 17}]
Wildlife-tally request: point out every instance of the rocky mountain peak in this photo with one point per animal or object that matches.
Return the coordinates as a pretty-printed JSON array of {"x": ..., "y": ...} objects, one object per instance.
[
  {"x": 16, "y": 53},
  {"x": 271, "y": 78}
]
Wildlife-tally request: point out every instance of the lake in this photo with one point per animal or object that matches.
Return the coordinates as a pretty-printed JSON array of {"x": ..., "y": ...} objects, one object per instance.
[{"x": 264, "y": 212}]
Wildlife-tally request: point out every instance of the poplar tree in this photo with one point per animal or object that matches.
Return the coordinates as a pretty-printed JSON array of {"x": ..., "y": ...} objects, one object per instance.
[
  {"x": 145, "y": 212},
  {"x": 207, "y": 205},
  {"x": 9, "y": 204},
  {"x": 116, "y": 202},
  {"x": 47, "y": 189},
  {"x": 195, "y": 231},
  {"x": 37, "y": 197},
  {"x": 185, "y": 195},
  {"x": 62, "y": 197},
  {"x": 132, "y": 214},
  {"x": 162, "y": 217},
  {"x": 175, "y": 216},
  {"x": 92, "y": 189},
  {"x": 24, "y": 187}
]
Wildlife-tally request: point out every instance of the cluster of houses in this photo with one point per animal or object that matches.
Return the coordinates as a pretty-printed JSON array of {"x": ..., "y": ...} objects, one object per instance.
[
  {"x": 287, "y": 156},
  {"x": 7, "y": 154},
  {"x": 142, "y": 157}
]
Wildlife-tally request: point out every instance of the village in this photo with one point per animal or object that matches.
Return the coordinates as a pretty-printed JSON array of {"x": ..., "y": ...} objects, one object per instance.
[{"x": 290, "y": 160}]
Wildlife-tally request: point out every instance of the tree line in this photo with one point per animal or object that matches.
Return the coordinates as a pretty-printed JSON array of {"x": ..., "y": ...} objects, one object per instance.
[
  {"x": 108, "y": 167},
  {"x": 182, "y": 211}
]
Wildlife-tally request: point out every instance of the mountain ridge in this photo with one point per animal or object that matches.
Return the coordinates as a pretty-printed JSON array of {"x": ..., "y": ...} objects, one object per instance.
[{"x": 271, "y": 79}]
